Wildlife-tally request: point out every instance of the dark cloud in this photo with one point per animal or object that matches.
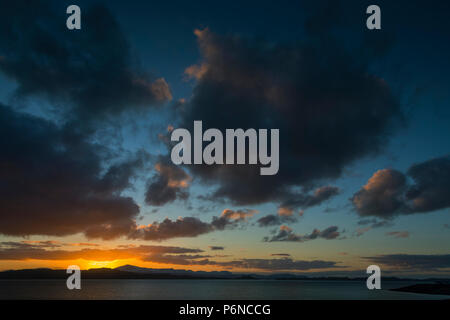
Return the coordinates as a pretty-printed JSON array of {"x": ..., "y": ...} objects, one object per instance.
[
  {"x": 413, "y": 261},
  {"x": 286, "y": 234},
  {"x": 382, "y": 195},
  {"x": 387, "y": 193},
  {"x": 28, "y": 244},
  {"x": 170, "y": 183},
  {"x": 54, "y": 179},
  {"x": 84, "y": 244},
  {"x": 16, "y": 251},
  {"x": 280, "y": 255},
  {"x": 286, "y": 214},
  {"x": 176, "y": 259},
  {"x": 374, "y": 223},
  {"x": 431, "y": 188},
  {"x": 309, "y": 200},
  {"x": 287, "y": 264},
  {"x": 275, "y": 220},
  {"x": 92, "y": 70},
  {"x": 330, "y": 109},
  {"x": 167, "y": 229},
  {"x": 190, "y": 226},
  {"x": 53, "y": 182},
  {"x": 398, "y": 234},
  {"x": 48, "y": 244},
  {"x": 370, "y": 224},
  {"x": 215, "y": 248},
  {"x": 232, "y": 218}
]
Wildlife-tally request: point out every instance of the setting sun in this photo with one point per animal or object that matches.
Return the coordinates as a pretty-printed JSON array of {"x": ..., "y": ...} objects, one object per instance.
[{"x": 103, "y": 264}]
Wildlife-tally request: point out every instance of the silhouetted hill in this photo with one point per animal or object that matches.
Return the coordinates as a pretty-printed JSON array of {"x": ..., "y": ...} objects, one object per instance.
[
  {"x": 33, "y": 274},
  {"x": 178, "y": 272},
  {"x": 133, "y": 272},
  {"x": 102, "y": 273},
  {"x": 428, "y": 288}
]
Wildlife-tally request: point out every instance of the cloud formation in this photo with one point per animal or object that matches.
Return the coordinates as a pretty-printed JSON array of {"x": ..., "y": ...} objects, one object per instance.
[
  {"x": 388, "y": 193},
  {"x": 280, "y": 255},
  {"x": 398, "y": 234},
  {"x": 26, "y": 244},
  {"x": 423, "y": 262},
  {"x": 170, "y": 183},
  {"x": 156, "y": 254},
  {"x": 285, "y": 215},
  {"x": 328, "y": 106},
  {"x": 305, "y": 200},
  {"x": 286, "y": 234},
  {"x": 57, "y": 175},
  {"x": 93, "y": 72},
  {"x": 230, "y": 218},
  {"x": 276, "y": 220},
  {"x": 19, "y": 251},
  {"x": 286, "y": 264},
  {"x": 168, "y": 229},
  {"x": 215, "y": 248},
  {"x": 382, "y": 195},
  {"x": 53, "y": 182},
  {"x": 190, "y": 226},
  {"x": 369, "y": 224},
  {"x": 280, "y": 264},
  {"x": 374, "y": 223},
  {"x": 66, "y": 186}
]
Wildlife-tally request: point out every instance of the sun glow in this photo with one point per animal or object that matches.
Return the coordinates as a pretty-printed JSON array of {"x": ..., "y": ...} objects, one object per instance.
[{"x": 103, "y": 264}]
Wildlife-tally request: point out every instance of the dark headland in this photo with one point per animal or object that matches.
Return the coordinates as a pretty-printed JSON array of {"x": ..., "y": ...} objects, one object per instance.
[{"x": 427, "y": 288}]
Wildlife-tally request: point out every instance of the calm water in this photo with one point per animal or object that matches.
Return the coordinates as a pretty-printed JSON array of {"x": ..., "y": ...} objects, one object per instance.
[{"x": 203, "y": 290}]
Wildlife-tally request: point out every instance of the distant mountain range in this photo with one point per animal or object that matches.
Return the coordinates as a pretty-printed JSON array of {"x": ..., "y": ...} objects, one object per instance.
[
  {"x": 124, "y": 272},
  {"x": 134, "y": 272},
  {"x": 177, "y": 272}
]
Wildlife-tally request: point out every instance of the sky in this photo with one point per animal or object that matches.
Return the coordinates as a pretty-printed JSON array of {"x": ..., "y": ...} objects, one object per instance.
[{"x": 86, "y": 116}]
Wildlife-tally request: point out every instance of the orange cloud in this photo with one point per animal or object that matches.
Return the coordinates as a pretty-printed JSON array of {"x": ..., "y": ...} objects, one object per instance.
[{"x": 285, "y": 211}]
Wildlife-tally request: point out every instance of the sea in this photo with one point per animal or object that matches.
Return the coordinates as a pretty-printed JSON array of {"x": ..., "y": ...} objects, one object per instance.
[{"x": 151, "y": 289}]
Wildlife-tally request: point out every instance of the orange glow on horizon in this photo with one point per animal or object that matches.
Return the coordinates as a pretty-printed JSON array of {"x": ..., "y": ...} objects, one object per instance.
[
  {"x": 92, "y": 264},
  {"x": 103, "y": 264}
]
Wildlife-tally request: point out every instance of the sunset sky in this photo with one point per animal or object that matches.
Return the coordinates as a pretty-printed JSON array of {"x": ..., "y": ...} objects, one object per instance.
[{"x": 86, "y": 115}]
